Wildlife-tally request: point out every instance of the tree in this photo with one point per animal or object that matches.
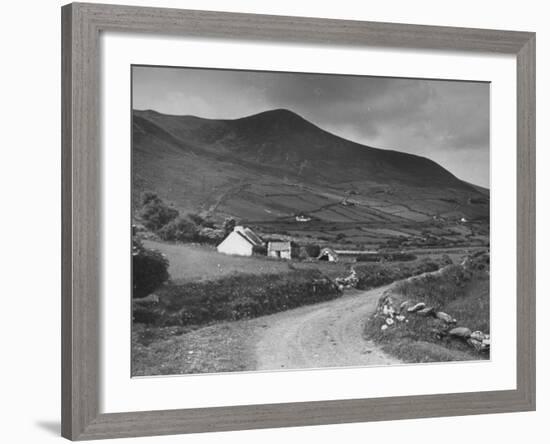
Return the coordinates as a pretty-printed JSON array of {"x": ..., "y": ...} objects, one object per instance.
[
  {"x": 179, "y": 229},
  {"x": 149, "y": 270},
  {"x": 155, "y": 213},
  {"x": 228, "y": 225}
]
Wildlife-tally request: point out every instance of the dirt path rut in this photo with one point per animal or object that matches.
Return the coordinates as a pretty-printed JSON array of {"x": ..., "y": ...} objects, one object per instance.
[{"x": 329, "y": 334}]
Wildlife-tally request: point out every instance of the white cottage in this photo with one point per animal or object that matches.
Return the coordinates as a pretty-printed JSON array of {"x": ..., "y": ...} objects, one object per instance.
[{"x": 241, "y": 242}]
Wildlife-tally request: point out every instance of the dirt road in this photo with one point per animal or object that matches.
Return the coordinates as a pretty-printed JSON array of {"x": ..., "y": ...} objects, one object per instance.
[
  {"x": 329, "y": 334},
  {"x": 321, "y": 335}
]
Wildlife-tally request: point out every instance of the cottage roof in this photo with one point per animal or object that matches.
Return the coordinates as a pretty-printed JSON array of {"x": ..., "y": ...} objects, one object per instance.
[
  {"x": 249, "y": 235},
  {"x": 327, "y": 251},
  {"x": 279, "y": 245}
]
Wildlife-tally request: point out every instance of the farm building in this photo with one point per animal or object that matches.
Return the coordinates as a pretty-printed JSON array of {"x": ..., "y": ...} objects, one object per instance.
[
  {"x": 283, "y": 250},
  {"x": 241, "y": 242},
  {"x": 302, "y": 218},
  {"x": 328, "y": 254}
]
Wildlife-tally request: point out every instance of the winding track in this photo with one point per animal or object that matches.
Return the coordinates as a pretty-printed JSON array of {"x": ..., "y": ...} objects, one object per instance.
[{"x": 329, "y": 334}]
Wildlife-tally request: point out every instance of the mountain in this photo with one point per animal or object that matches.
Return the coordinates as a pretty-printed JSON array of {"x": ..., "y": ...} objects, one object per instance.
[{"x": 275, "y": 164}]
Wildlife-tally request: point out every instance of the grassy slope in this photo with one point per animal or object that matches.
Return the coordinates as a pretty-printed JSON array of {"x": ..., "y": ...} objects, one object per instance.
[
  {"x": 240, "y": 168},
  {"x": 463, "y": 295},
  {"x": 191, "y": 262}
]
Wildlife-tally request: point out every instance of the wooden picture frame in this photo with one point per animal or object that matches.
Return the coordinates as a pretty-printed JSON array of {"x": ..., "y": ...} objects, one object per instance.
[{"x": 81, "y": 26}]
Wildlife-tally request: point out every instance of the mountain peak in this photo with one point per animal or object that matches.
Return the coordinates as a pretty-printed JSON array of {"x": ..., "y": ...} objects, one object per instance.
[{"x": 277, "y": 115}]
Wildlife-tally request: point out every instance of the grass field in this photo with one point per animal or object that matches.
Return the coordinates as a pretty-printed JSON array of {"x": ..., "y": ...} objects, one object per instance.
[{"x": 191, "y": 262}]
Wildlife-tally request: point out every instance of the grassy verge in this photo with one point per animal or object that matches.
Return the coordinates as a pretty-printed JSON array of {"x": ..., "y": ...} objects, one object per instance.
[
  {"x": 176, "y": 350},
  {"x": 461, "y": 291},
  {"x": 379, "y": 274},
  {"x": 233, "y": 297}
]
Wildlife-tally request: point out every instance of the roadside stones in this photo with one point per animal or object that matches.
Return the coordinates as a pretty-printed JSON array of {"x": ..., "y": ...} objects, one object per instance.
[
  {"x": 428, "y": 311},
  {"x": 347, "y": 282},
  {"x": 480, "y": 341},
  {"x": 478, "y": 336},
  {"x": 477, "y": 345},
  {"x": 445, "y": 317},
  {"x": 416, "y": 307},
  {"x": 388, "y": 310},
  {"x": 461, "y": 332}
]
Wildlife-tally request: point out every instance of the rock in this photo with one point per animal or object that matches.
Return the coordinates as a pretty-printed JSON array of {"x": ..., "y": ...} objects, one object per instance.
[
  {"x": 400, "y": 318},
  {"x": 384, "y": 327},
  {"x": 477, "y": 345},
  {"x": 445, "y": 317},
  {"x": 428, "y": 311},
  {"x": 404, "y": 305},
  {"x": 388, "y": 310},
  {"x": 460, "y": 332},
  {"x": 416, "y": 307},
  {"x": 478, "y": 336},
  {"x": 389, "y": 321}
]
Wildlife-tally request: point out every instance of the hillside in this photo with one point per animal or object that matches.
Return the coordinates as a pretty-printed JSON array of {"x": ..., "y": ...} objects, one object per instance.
[{"x": 271, "y": 166}]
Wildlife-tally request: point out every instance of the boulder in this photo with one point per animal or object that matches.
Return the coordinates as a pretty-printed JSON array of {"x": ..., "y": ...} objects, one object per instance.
[
  {"x": 384, "y": 327},
  {"x": 400, "y": 318},
  {"x": 460, "y": 332},
  {"x": 428, "y": 311},
  {"x": 445, "y": 317},
  {"x": 388, "y": 310},
  {"x": 389, "y": 321},
  {"x": 478, "y": 345},
  {"x": 478, "y": 336},
  {"x": 416, "y": 307},
  {"x": 404, "y": 305}
]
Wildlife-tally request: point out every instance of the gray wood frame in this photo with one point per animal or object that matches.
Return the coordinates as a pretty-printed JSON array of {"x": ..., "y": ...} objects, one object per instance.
[{"x": 81, "y": 26}]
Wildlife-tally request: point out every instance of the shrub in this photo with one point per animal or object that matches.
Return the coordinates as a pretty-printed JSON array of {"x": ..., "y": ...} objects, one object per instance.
[
  {"x": 149, "y": 196},
  {"x": 210, "y": 235},
  {"x": 179, "y": 229},
  {"x": 197, "y": 219},
  {"x": 228, "y": 225},
  {"x": 368, "y": 258},
  {"x": 378, "y": 274},
  {"x": 312, "y": 250},
  {"x": 237, "y": 297},
  {"x": 149, "y": 270},
  {"x": 260, "y": 250},
  {"x": 155, "y": 213}
]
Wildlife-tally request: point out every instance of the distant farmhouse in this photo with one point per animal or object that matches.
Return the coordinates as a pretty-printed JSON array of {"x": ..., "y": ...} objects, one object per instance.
[
  {"x": 241, "y": 242},
  {"x": 283, "y": 250},
  {"x": 302, "y": 218}
]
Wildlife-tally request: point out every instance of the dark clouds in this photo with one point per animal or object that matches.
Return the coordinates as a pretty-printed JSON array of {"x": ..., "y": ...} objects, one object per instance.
[{"x": 447, "y": 121}]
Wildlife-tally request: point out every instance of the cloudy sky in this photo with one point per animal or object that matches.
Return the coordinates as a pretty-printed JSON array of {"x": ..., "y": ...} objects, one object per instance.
[{"x": 447, "y": 121}]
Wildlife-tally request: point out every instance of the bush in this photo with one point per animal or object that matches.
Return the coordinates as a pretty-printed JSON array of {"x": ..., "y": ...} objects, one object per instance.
[
  {"x": 309, "y": 251},
  {"x": 376, "y": 275},
  {"x": 228, "y": 225},
  {"x": 149, "y": 196},
  {"x": 237, "y": 297},
  {"x": 180, "y": 230},
  {"x": 149, "y": 270},
  {"x": 260, "y": 250},
  {"x": 368, "y": 258},
  {"x": 155, "y": 213},
  {"x": 210, "y": 235}
]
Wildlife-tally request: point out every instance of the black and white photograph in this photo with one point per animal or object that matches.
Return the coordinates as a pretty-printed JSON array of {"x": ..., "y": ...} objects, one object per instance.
[{"x": 284, "y": 221}]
